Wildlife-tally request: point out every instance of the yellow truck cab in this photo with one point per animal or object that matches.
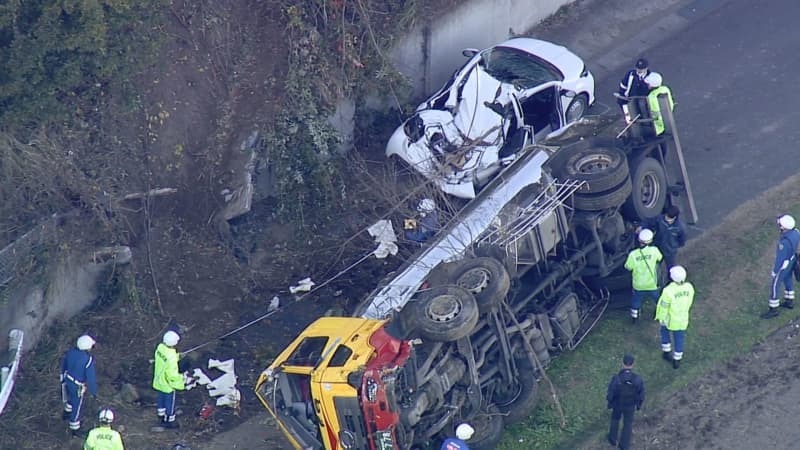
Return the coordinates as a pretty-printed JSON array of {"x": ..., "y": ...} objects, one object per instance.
[{"x": 312, "y": 387}]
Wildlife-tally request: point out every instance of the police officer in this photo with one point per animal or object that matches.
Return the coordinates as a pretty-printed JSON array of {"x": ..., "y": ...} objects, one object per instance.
[
  {"x": 103, "y": 437},
  {"x": 633, "y": 85},
  {"x": 670, "y": 233},
  {"x": 77, "y": 376},
  {"x": 643, "y": 263},
  {"x": 654, "y": 82},
  {"x": 428, "y": 224},
  {"x": 785, "y": 256},
  {"x": 625, "y": 396},
  {"x": 672, "y": 312},
  {"x": 463, "y": 433},
  {"x": 167, "y": 378}
]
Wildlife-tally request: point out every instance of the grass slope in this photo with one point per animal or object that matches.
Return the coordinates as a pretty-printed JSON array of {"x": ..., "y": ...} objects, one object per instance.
[{"x": 729, "y": 266}]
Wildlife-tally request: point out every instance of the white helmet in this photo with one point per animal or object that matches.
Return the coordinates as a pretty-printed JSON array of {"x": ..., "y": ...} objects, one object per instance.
[
  {"x": 654, "y": 80},
  {"x": 106, "y": 416},
  {"x": 786, "y": 222},
  {"x": 426, "y": 205},
  {"x": 85, "y": 342},
  {"x": 677, "y": 274},
  {"x": 645, "y": 236},
  {"x": 464, "y": 431},
  {"x": 171, "y": 338}
]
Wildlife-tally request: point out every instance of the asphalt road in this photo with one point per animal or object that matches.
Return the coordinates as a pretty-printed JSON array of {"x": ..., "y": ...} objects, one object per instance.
[
  {"x": 732, "y": 68},
  {"x": 731, "y": 65}
]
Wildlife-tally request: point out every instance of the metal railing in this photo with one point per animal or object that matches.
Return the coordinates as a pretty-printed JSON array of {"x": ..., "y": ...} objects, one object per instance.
[{"x": 553, "y": 196}]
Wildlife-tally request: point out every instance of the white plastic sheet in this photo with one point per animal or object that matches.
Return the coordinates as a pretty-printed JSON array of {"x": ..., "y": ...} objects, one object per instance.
[{"x": 383, "y": 232}]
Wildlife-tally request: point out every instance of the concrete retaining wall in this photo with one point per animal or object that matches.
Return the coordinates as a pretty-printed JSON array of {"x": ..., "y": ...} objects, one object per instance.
[
  {"x": 69, "y": 288},
  {"x": 430, "y": 53}
]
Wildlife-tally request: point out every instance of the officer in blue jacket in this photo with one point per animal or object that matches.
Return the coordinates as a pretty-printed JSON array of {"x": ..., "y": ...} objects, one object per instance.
[
  {"x": 426, "y": 226},
  {"x": 625, "y": 396},
  {"x": 463, "y": 433},
  {"x": 785, "y": 256},
  {"x": 670, "y": 233},
  {"x": 77, "y": 377},
  {"x": 633, "y": 85}
]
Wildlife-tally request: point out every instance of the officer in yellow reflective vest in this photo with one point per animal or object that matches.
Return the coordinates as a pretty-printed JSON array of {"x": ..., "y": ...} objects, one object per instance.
[
  {"x": 167, "y": 378},
  {"x": 673, "y": 314},
  {"x": 103, "y": 437},
  {"x": 643, "y": 263},
  {"x": 654, "y": 82}
]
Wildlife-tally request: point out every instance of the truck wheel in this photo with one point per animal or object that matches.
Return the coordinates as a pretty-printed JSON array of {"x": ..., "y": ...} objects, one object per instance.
[
  {"x": 488, "y": 425},
  {"x": 486, "y": 278},
  {"x": 610, "y": 199},
  {"x": 443, "y": 314},
  {"x": 649, "y": 189},
  {"x": 597, "y": 162},
  {"x": 517, "y": 402}
]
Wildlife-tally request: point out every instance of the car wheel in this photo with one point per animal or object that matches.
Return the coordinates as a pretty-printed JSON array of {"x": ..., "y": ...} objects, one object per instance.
[
  {"x": 486, "y": 278},
  {"x": 442, "y": 314},
  {"x": 488, "y": 425},
  {"x": 517, "y": 401},
  {"x": 596, "y": 161},
  {"x": 649, "y": 189},
  {"x": 612, "y": 198},
  {"x": 577, "y": 108}
]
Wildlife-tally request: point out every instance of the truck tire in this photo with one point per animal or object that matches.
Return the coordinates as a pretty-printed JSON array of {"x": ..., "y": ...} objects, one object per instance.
[
  {"x": 488, "y": 425},
  {"x": 610, "y": 199},
  {"x": 486, "y": 278},
  {"x": 597, "y": 162},
  {"x": 649, "y": 193},
  {"x": 518, "y": 402},
  {"x": 442, "y": 314}
]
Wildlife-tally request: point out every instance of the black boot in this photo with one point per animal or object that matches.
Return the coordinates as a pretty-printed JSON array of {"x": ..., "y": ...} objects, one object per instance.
[
  {"x": 772, "y": 312},
  {"x": 173, "y": 425},
  {"x": 667, "y": 356},
  {"x": 788, "y": 303},
  {"x": 79, "y": 433},
  {"x": 676, "y": 363}
]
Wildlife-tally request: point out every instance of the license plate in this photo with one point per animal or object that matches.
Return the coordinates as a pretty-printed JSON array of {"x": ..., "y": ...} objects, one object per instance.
[{"x": 385, "y": 441}]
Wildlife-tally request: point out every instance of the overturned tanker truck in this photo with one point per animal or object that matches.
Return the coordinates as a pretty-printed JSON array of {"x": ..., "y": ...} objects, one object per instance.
[{"x": 461, "y": 331}]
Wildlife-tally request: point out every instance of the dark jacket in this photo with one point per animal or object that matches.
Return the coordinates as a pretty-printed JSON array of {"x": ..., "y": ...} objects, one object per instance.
[
  {"x": 785, "y": 251},
  {"x": 78, "y": 367},
  {"x": 626, "y": 397},
  {"x": 668, "y": 237},
  {"x": 427, "y": 227},
  {"x": 632, "y": 85}
]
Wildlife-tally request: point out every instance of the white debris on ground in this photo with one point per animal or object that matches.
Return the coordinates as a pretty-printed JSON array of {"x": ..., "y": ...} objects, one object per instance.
[
  {"x": 384, "y": 235},
  {"x": 222, "y": 387},
  {"x": 274, "y": 304},
  {"x": 303, "y": 285}
]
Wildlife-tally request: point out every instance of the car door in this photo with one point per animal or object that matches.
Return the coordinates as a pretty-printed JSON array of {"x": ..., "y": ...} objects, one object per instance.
[
  {"x": 542, "y": 109},
  {"x": 517, "y": 136}
]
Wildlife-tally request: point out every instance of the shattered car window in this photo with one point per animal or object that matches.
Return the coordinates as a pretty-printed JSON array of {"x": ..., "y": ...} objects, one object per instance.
[{"x": 513, "y": 66}]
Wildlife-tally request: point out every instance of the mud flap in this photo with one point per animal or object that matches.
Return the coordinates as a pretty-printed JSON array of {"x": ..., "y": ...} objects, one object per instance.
[{"x": 679, "y": 190}]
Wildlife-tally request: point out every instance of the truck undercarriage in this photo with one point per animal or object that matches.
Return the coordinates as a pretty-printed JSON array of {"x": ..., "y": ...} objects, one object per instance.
[{"x": 463, "y": 330}]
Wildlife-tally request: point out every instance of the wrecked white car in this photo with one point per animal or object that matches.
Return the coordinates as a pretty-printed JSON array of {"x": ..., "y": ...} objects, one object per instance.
[{"x": 502, "y": 99}]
